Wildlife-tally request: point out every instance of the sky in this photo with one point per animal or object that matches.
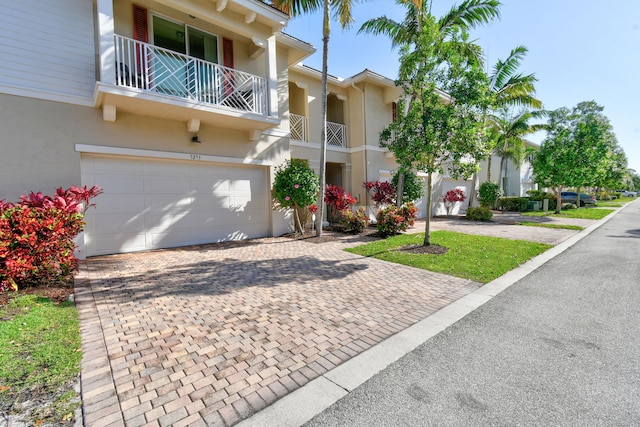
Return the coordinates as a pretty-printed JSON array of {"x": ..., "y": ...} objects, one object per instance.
[{"x": 580, "y": 50}]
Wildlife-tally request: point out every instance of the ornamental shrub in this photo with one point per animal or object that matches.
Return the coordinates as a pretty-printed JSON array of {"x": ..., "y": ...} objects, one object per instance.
[
  {"x": 568, "y": 206},
  {"x": 479, "y": 214},
  {"x": 513, "y": 204},
  {"x": 412, "y": 187},
  {"x": 337, "y": 201},
  {"x": 354, "y": 221},
  {"x": 410, "y": 213},
  {"x": 36, "y": 237},
  {"x": 488, "y": 194},
  {"x": 296, "y": 186},
  {"x": 382, "y": 193},
  {"x": 391, "y": 220},
  {"x": 452, "y": 197}
]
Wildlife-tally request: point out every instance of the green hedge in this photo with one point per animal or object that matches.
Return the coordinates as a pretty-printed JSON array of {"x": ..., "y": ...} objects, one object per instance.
[
  {"x": 479, "y": 214},
  {"x": 513, "y": 204}
]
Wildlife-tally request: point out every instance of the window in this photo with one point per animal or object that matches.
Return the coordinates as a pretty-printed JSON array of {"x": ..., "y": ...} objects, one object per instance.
[{"x": 184, "y": 39}]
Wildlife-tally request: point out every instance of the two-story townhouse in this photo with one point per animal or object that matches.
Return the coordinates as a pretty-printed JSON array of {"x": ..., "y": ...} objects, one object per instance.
[
  {"x": 173, "y": 107},
  {"x": 358, "y": 109}
]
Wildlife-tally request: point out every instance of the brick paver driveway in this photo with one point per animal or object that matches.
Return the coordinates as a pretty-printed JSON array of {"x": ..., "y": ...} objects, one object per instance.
[{"x": 208, "y": 335}]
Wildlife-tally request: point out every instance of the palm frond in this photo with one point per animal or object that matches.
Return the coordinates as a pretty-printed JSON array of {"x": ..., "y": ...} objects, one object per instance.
[
  {"x": 298, "y": 7},
  {"x": 470, "y": 14},
  {"x": 504, "y": 70}
]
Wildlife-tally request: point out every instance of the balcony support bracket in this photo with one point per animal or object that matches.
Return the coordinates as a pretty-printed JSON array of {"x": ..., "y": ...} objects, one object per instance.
[
  {"x": 109, "y": 113},
  {"x": 193, "y": 125},
  {"x": 254, "y": 134}
]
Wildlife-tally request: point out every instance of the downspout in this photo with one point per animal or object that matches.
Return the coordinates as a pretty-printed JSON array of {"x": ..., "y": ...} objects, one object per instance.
[{"x": 364, "y": 145}]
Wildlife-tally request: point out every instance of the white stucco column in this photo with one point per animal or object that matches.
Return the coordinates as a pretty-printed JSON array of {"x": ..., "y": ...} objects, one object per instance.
[
  {"x": 272, "y": 75},
  {"x": 106, "y": 42}
]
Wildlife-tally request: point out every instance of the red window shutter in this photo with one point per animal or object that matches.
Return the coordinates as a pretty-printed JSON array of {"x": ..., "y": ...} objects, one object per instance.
[
  {"x": 394, "y": 111},
  {"x": 140, "y": 24},
  {"x": 227, "y": 52}
]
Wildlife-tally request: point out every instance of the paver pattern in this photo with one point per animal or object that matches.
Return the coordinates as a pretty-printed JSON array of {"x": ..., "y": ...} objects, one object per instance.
[{"x": 208, "y": 335}]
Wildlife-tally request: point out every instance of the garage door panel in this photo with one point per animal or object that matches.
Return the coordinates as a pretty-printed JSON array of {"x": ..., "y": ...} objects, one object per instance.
[
  {"x": 152, "y": 203},
  {"x": 163, "y": 185},
  {"x": 116, "y": 222},
  {"x": 114, "y": 243},
  {"x": 120, "y": 183},
  {"x": 122, "y": 166},
  {"x": 118, "y": 203}
]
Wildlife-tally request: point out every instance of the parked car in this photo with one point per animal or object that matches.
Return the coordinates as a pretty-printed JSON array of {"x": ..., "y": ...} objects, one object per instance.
[
  {"x": 625, "y": 193},
  {"x": 571, "y": 196}
]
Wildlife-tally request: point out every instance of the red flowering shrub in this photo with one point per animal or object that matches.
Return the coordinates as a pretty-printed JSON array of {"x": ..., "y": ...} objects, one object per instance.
[
  {"x": 337, "y": 201},
  {"x": 452, "y": 197},
  {"x": 382, "y": 193},
  {"x": 36, "y": 237}
]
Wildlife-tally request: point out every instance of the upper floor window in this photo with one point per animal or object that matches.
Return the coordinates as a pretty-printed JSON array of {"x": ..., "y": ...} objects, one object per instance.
[{"x": 184, "y": 39}]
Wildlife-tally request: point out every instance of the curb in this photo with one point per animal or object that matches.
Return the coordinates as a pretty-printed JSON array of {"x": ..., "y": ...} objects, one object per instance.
[{"x": 313, "y": 398}]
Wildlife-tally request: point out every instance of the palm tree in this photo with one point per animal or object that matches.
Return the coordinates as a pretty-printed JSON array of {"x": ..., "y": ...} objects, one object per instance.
[
  {"x": 511, "y": 89},
  {"x": 342, "y": 13},
  {"x": 509, "y": 132}
]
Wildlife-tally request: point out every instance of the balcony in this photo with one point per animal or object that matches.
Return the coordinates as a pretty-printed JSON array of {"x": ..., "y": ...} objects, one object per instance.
[
  {"x": 298, "y": 125},
  {"x": 188, "y": 88},
  {"x": 336, "y": 135},
  {"x": 336, "y": 132}
]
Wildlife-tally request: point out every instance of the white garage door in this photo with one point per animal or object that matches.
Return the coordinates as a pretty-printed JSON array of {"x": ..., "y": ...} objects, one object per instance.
[{"x": 151, "y": 204}]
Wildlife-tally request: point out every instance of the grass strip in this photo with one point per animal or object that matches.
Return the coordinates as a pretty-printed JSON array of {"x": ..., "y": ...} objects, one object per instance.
[
  {"x": 40, "y": 354},
  {"x": 478, "y": 258},
  {"x": 561, "y": 226},
  {"x": 582, "y": 213}
]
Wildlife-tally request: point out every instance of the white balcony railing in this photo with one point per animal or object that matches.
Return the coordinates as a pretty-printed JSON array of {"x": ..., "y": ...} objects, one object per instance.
[
  {"x": 298, "y": 125},
  {"x": 154, "y": 69},
  {"x": 336, "y": 135}
]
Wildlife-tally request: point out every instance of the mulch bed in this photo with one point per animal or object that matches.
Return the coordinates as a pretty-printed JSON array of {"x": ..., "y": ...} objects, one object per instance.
[{"x": 58, "y": 293}]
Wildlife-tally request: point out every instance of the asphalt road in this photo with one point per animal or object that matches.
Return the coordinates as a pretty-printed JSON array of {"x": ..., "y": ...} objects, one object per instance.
[{"x": 560, "y": 347}]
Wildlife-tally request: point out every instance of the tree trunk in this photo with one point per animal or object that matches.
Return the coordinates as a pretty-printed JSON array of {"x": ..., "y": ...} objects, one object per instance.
[
  {"x": 489, "y": 167},
  {"x": 326, "y": 29},
  {"x": 559, "y": 200},
  {"x": 472, "y": 192},
  {"x": 427, "y": 226},
  {"x": 400, "y": 188},
  {"x": 578, "y": 197}
]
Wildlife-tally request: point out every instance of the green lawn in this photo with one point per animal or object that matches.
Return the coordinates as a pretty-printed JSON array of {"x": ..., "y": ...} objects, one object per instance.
[
  {"x": 479, "y": 258},
  {"x": 562, "y": 226},
  {"x": 583, "y": 213},
  {"x": 40, "y": 355}
]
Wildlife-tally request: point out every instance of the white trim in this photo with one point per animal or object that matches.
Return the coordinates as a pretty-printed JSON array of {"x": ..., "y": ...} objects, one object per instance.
[
  {"x": 46, "y": 95},
  {"x": 120, "y": 151},
  {"x": 316, "y": 145},
  {"x": 276, "y": 132}
]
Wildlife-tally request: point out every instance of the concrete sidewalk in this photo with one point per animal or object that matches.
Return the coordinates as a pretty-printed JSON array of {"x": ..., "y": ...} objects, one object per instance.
[{"x": 213, "y": 334}]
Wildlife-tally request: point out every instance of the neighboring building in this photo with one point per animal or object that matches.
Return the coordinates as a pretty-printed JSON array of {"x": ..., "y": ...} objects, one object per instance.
[{"x": 180, "y": 110}]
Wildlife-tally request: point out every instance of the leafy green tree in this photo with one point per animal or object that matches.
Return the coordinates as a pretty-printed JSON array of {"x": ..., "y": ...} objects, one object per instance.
[
  {"x": 295, "y": 186},
  {"x": 342, "y": 13},
  {"x": 413, "y": 187},
  {"x": 406, "y": 34},
  {"x": 438, "y": 131},
  {"x": 578, "y": 149}
]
